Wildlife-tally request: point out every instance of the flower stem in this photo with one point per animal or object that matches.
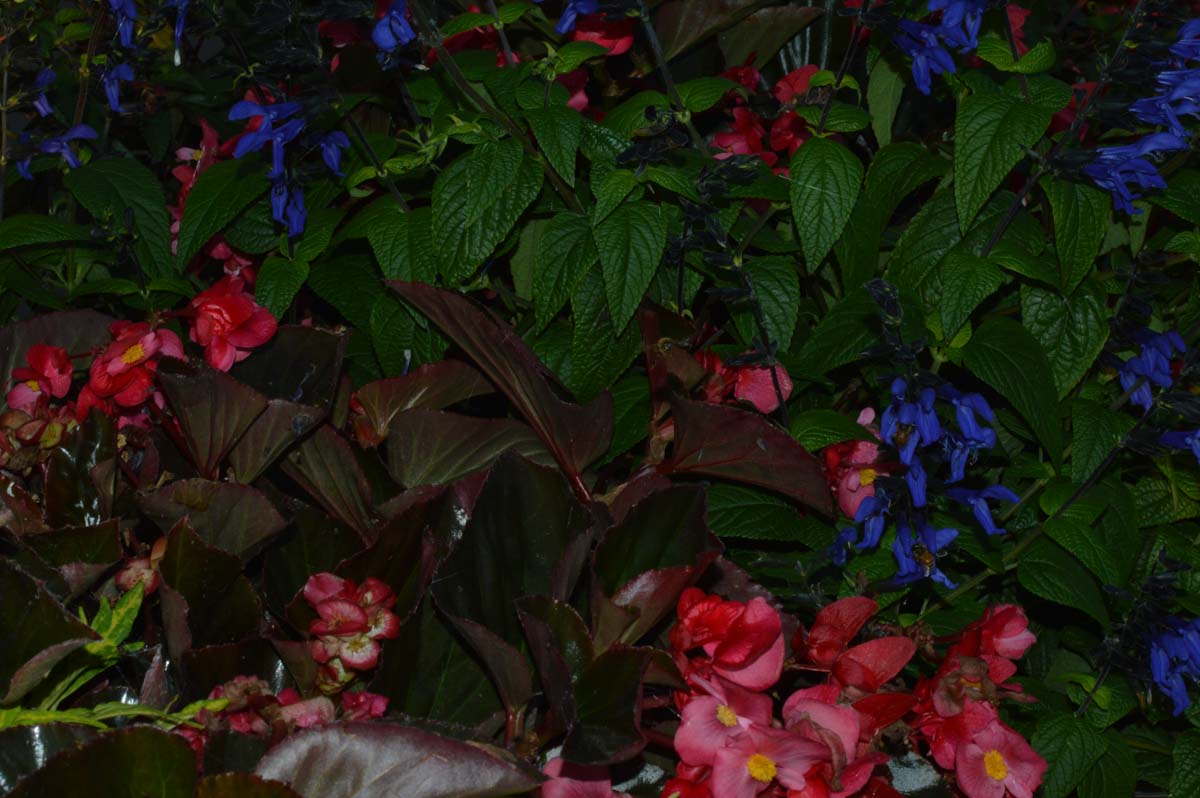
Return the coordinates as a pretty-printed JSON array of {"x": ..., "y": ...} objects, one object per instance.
[
  {"x": 844, "y": 67},
  {"x": 664, "y": 69},
  {"x": 508, "y": 53}
]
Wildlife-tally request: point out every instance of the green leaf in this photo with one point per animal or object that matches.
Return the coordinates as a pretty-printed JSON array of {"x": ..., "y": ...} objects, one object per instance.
[
  {"x": 572, "y": 55},
  {"x": 279, "y": 281},
  {"x": 926, "y": 239},
  {"x": 403, "y": 243},
  {"x": 885, "y": 87},
  {"x": 816, "y": 429},
  {"x": 1005, "y": 356},
  {"x": 630, "y": 243},
  {"x": 1082, "y": 541},
  {"x": 1095, "y": 430},
  {"x": 465, "y": 22},
  {"x": 558, "y": 131},
  {"x": 703, "y": 93},
  {"x": 600, "y": 351},
  {"x": 996, "y": 51},
  {"x": 476, "y": 202},
  {"x": 26, "y": 230},
  {"x": 221, "y": 192},
  {"x": 611, "y": 192},
  {"x": 777, "y": 289},
  {"x": 1114, "y": 775},
  {"x": 1181, "y": 196},
  {"x": 1048, "y": 571},
  {"x": 631, "y": 114},
  {"x": 967, "y": 280},
  {"x": 1071, "y": 331},
  {"x": 740, "y": 511},
  {"x": 631, "y": 412},
  {"x": 565, "y": 253},
  {"x": 825, "y": 181},
  {"x": 842, "y": 117},
  {"x": 110, "y": 187},
  {"x": 1081, "y": 217},
  {"x": 1070, "y": 747},
  {"x": 991, "y": 133},
  {"x": 1187, "y": 763},
  {"x": 849, "y": 328}
]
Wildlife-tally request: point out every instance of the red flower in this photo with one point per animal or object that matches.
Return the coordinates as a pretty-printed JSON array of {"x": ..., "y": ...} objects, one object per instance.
[
  {"x": 228, "y": 323},
  {"x": 124, "y": 371},
  {"x": 1016, "y": 19},
  {"x": 339, "y": 617},
  {"x": 752, "y": 384},
  {"x": 834, "y": 627},
  {"x": 48, "y": 373},
  {"x": 789, "y": 132},
  {"x": 745, "y": 75},
  {"x": 576, "y": 84},
  {"x": 308, "y": 714},
  {"x": 872, "y": 664},
  {"x": 685, "y": 788},
  {"x": 362, "y": 705},
  {"x": 616, "y": 37},
  {"x": 997, "y": 761},
  {"x": 746, "y": 138},
  {"x": 1004, "y": 631},
  {"x": 795, "y": 83},
  {"x": 853, "y": 466}
]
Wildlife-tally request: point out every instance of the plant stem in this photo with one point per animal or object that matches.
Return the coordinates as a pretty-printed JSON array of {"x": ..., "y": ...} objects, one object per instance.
[
  {"x": 381, "y": 173},
  {"x": 1011, "y": 35},
  {"x": 431, "y": 39},
  {"x": 664, "y": 70},
  {"x": 508, "y": 53},
  {"x": 847, "y": 59},
  {"x": 4, "y": 125}
]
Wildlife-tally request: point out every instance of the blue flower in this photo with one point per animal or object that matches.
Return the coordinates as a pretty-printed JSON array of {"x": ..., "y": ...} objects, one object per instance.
[
  {"x": 279, "y": 198},
  {"x": 111, "y": 80},
  {"x": 1152, "y": 366},
  {"x": 907, "y": 425},
  {"x": 977, "y": 499},
  {"x": 961, "y": 20},
  {"x": 1187, "y": 46},
  {"x": 967, "y": 406},
  {"x": 41, "y": 103},
  {"x": 917, "y": 558},
  {"x": 929, "y": 57},
  {"x": 332, "y": 145},
  {"x": 838, "y": 550},
  {"x": 916, "y": 479},
  {"x": 1180, "y": 97},
  {"x": 574, "y": 8},
  {"x": 180, "y": 7},
  {"x": 125, "y": 12},
  {"x": 271, "y": 114},
  {"x": 1174, "y": 658},
  {"x": 1115, "y": 168},
  {"x": 393, "y": 30},
  {"x": 872, "y": 514},
  {"x": 61, "y": 145},
  {"x": 278, "y": 137},
  {"x": 287, "y": 207},
  {"x": 1183, "y": 440}
]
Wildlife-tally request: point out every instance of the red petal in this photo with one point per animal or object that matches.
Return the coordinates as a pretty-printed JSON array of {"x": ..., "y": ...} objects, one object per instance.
[
  {"x": 836, "y": 625},
  {"x": 869, "y": 665},
  {"x": 882, "y": 710}
]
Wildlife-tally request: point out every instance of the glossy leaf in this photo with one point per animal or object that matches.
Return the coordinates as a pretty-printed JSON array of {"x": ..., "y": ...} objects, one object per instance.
[
  {"x": 26, "y": 749},
  {"x": 1095, "y": 431},
  {"x": 427, "y": 447},
  {"x": 434, "y": 386},
  {"x": 281, "y": 425},
  {"x": 558, "y": 131},
  {"x": 966, "y": 282},
  {"x": 327, "y": 469},
  {"x": 734, "y": 444},
  {"x": 235, "y": 518},
  {"x": 1046, "y": 570},
  {"x": 109, "y": 186},
  {"x": 1081, "y": 216},
  {"x": 607, "y": 696},
  {"x": 1071, "y": 330},
  {"x": 1070, "y": 747},
  {"x": 565, "y": 253},
  {"x": 242, "y": 785},
  {"x": 300, "y": 364}
]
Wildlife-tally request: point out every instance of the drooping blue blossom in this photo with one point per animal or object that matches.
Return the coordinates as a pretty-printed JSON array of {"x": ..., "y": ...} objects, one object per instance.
[
  {"x": 1179, "y": 96},
  {"x": 111, "y": 79},
  {"x": 287, "y": 206},
  {"x": 61, "y": 145},
  {"x": 271, "y": 113},
  {"x": 181, "y": 7},
  {"x": 41, "y": 103},
  {"x": 845, "y": 538},
  {"x": 279, "y": 198},
  {"x": 872, "y": 516},
  {"x": 916, "y": 480},
  {"x": 278, "y": 137},
  {"x": 1152, "y": 366},
  {"x": 1183, "y": 439},
  {"x": 1116, "y": 168},
  {"x": 917, "y": 557},
  {"x": 1187, "y": 46},
  {"x": 1175, "y": 660},
  {"x": 968, "y": 407},
  {"x": 332, "y": 145},
  {"x": 126, "y": 13},
  {"x": 961, "y": 20},
  {"x": 977, "y": 501},
  {"x": 393, "y": 30},
  {"x": 909, "y": 425},
  {"x": 923, "y": 45},
  {"x": 566, "y": 23}
]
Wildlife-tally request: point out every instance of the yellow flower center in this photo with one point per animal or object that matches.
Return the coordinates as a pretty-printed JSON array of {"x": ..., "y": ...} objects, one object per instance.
[
  {"x": 32, "y": 385},
  {"x": 867, "y": 476},
  {"x": 132, "y": 355},
  {"x": 994, "y": 764},
  {"x": 727, "y": 716},
  {"x": 761, "y": 768}
]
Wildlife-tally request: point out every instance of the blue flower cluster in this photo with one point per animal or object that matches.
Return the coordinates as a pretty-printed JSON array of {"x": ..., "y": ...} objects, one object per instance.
[
  {"x": 57, "y": 145},
  {"x": 126, "y": 13},
  {"x": 1175, "y": 659},
  {"x": 393, "y": 30},
  {"x": 1116, "y": 169},
  {"x": 925, "y": 44},
  {"x": 1152, "y": 366},
  {"x": 278, "y": 126},
  {"x": 911, "y": 426}
]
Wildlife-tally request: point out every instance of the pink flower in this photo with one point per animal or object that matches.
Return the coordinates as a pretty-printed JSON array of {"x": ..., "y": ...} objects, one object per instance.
[
  {"x": 746, "y": 138},
  {"x": 616, "y": 37},
  {"x": 322, "y": 586},
  {"x": 711, "y": 721},
  {"x": 568, "y": 780},
  {"x": 853, "y": 466},
  {"x": 339, "y": 617},
  {"x": 228, "y": 323},
  {"x": 362, "y": 705},
  {"x": 760, "y": 757},
  {"x": 754, "y": 384},
  {"x": 1005, "y": 631},
  {"x": 305, "y": 714},
  {"x": 124, "y": 371},
  {"x": 48, "y": 373},
  {"x": 751, "y": 652},
  {"x": 998, "y": 761}
]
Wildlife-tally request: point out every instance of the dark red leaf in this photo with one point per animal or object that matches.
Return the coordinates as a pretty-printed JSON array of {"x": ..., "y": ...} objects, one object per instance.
[
  {"x": 434, "y": 385},
  {"x": 325, "y": 466},
  {"x": 428, "y": 447},
  {"x": 235, "y": 518}
]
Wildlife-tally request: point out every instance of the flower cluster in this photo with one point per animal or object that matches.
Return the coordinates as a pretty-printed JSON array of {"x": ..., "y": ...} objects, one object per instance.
[
  {"x": 1151, "y": 366},
  {"x": 1175, "y": 659},
  {"x": 878, "y": 484},
  {"x": 351, "y": 621},
  {"x": 228, "y": 323},
  {"x": 729, "y": 741},
  {"x": 251, "y": 708},
  {"x": 956, "y": 713},
  {"x": 925, "y": 43},
  {"x": 788, "y": 130},
  {"x": 121, "y": 377},
  {"x": 31, "y": 427},
  {"x": 1117, "y": 168}
]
